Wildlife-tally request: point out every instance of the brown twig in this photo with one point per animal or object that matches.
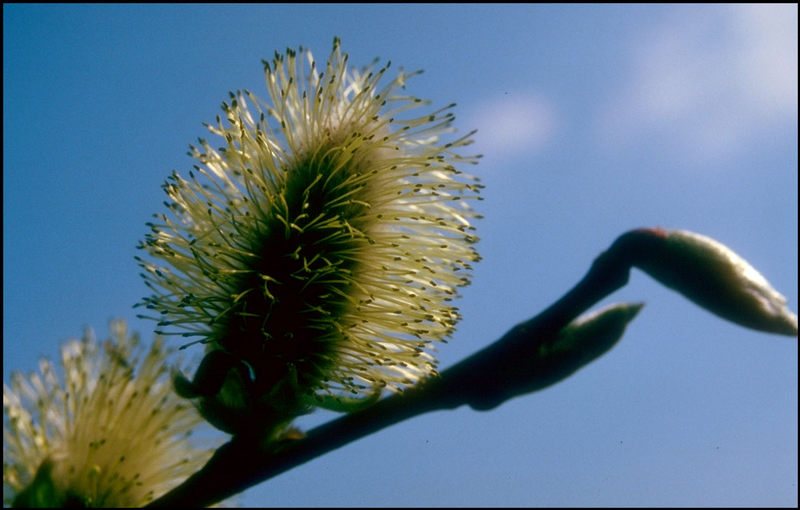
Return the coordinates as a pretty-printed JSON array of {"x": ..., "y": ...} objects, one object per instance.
[{"x": 483, "y": 381}]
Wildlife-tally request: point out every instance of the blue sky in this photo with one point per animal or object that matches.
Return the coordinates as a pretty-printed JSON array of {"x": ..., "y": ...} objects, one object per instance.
[{"x": 592, "y": 120}]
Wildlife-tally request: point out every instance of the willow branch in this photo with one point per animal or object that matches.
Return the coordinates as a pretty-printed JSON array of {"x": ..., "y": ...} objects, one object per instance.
[
  {"x": 531, "y": 356},
  {"x": 482, "y": 381}
]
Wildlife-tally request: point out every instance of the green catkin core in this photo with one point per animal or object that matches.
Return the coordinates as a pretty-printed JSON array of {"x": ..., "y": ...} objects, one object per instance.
[{"x": 287, "y": 321}]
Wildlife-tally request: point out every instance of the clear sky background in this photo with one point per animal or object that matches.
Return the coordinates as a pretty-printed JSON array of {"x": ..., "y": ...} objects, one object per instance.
[{"x": 593, "y": 120}]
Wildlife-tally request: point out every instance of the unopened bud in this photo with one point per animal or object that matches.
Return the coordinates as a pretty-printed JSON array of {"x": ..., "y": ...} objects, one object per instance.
[
  {"x": 558, "y": 356},
  {"x": 580, "y": 342},
  {"x": 713, "y": 276}
]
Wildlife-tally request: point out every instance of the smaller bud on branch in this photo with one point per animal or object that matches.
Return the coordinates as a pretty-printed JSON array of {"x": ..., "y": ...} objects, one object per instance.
[{"x": 582, "y": 341}]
